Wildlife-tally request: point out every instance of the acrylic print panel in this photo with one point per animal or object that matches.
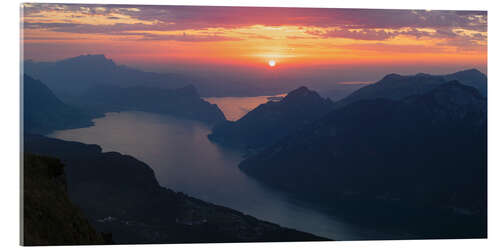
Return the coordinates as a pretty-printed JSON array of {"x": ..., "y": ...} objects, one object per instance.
[{"x": 182, "y": 124}]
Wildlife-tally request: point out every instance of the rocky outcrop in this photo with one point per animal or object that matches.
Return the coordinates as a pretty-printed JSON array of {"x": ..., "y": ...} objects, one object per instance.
[{"x": 49, "y": 217}]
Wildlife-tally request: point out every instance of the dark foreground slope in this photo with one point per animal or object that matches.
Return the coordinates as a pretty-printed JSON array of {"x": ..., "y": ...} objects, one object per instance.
[
  {"x": 397, "y": 87},
  {"x": 419, "y": 163},
  {"x": 43, "y": 112},
  {"x": 182, "y": 102},
  {"x": 121, "y": 195},
  {"x": 50, "y": 218},
  {"x": 271, "y": 121}
]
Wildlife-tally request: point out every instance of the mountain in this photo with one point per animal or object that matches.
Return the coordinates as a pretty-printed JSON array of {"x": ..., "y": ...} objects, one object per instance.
[
  {"x": 50, "y": 218},
  {"x": 470, "y": 77},
  {"x": 97, "y": 85},
  {"x": 273, "y": 120},
  {"x": 338, "y": 91},
  {"x": 71, "y": 77},
  {"x": 397, "y": 87},
  {"x": 43, "y": 112},
  {"x": 419, "y": 162},
  {"x": 182, "y": 102},
  {"x": 120, "y": 194}
]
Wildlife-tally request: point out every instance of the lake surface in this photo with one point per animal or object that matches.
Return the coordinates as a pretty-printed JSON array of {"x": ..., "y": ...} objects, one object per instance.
[
  {"x": 185, "y": 160},
  {"x": 236, "y": 107}
]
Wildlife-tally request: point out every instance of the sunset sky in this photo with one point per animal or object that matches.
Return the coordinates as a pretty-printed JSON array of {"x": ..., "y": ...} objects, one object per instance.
[{"x": 253, "y": 36}]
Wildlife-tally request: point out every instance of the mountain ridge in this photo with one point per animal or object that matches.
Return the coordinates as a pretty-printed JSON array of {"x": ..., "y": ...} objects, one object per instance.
[
  {"x": 394, "y": 86},
  {"x": 431, "y": 146},
  {"x": 270, "y": 121},
  {"x": 71, "y": 77},
  {"x": 183, "y": 102}
]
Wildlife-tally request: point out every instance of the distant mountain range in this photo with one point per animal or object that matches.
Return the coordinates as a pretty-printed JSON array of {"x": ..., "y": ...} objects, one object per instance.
[
  {"x": 397, "y": 87},
  {"x": 71, "y": 77},
  {"x": 43, "y": 112},
  {"x": 182, "y": 102},
  {"x": 120, "y": 195},
  {"x": 273, "y": 120},
  {"x": 425, "y": 152}
]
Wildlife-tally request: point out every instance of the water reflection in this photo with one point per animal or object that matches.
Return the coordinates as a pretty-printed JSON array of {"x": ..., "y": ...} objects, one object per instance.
[
  {"x": 236, "y": 107},
  {"x": 185, "y": 160}
]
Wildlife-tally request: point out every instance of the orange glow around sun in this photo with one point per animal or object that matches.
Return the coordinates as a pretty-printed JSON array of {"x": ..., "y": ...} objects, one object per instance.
[{"x": 294, "y": 37}]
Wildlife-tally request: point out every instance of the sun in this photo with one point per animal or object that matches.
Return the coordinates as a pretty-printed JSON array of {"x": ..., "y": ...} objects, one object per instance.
[{"x": 272, "y": 63}]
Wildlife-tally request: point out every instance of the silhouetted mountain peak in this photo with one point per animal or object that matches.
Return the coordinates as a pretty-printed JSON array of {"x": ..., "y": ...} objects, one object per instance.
[
  {"x": 95, "y": 60},
  {"x": 469, "y": 72},
  {"x": 396, "y": 78},
  {"x": 398, "y": 87},
  {"x": 300, "y": 90},
  {"x": 272, "y": 121},
  {"x": 391, "y": 77},
  {"x": 74, "y": 76},
  {"x": 471, "y": 77},
  {"x": 302, "y": 94}
]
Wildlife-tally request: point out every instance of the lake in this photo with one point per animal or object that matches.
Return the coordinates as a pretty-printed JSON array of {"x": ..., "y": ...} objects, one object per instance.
[
  {"x": 236, "y": 107},
  {"x": 184, "y": 160}
]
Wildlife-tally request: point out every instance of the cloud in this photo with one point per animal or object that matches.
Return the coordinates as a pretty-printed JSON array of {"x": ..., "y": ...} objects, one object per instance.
[
  {"x": 255, "y": 36},
  {"x": 184, "y": 37},
  {"x": 121, "y": 30},
  {"x": 298, "y": 37},
  {"x": 200, "y": 17},
  {"x": 398, "y": 48},
  {"x": 356, "y": 24},
  {"x": 464, "y": 45},
  {"x": 363, "y": 34},
  {"x": 49, "y": 25}
]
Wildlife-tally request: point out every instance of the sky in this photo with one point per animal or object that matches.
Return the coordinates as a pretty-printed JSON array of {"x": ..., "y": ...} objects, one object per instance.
[{"x": 157, "y": 37}]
